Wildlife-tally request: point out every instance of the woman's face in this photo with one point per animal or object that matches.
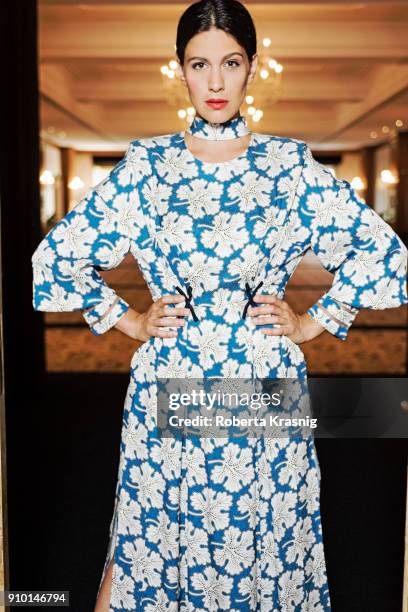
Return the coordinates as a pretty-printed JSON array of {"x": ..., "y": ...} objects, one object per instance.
[{"x": 216, "y": 67}]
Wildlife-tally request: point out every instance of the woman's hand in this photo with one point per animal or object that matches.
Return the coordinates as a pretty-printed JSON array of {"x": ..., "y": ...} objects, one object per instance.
[
  {"x": 298, "y": 328},
  {"x": 142, "y": 326}
]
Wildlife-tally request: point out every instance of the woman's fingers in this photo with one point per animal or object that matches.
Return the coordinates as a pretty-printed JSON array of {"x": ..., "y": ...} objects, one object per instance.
[
  {"x": 162, "y": 333},
  {"x": 168, "y": 321},
  {"x": 268, "y": 299},
  {"x": 282, "y": 330},
  {"x": 267, "y": 310},
  {"x": 271, "y": 319},
  {"x": 162, "y": 315},
  {"x": 175, "y": 312},
  {"x": 275, "y": 311}
]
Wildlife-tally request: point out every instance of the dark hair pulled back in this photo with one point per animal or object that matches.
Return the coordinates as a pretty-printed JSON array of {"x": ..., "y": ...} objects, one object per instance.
[{"x": 228, "y": 15}]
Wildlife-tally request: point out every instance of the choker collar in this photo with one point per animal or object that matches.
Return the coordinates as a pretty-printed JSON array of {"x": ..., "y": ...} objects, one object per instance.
[{"x": 233, "y": 128}]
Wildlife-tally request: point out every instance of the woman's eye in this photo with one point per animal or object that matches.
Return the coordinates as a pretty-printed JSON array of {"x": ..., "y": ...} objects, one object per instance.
[{"x": 230, "y": 63}]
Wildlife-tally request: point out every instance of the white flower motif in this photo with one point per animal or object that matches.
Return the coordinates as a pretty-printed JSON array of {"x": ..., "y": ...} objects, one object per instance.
[
  {"x": 168, "y": 455},
  {"x": 364, "y": 268},
  {"x": 248, "y": 588},
  {"x": 316, "y": 565},
  {"x": 157, "y": 195},
  {"x": 173, "y": 165},
  {"x": 197, "y": 545},
  {"x": 235, "y": 469},
  {"x": 251, "y": 190},
  {"x": 165, "y": 534},
  {"x": 271, "y": 561},
  {"x": 210, "y": 341},
  {"x": 295, "y": 465},
  {"x": 283, "y": 513},
  {"x": 59, "y": 300},
  {"x": 302, "y": 540},
  {"x": 227, "y": 170},
  {"x": 129, "y": 513},
  {"x": 245, "y": 266},
  {"x": 146, "y": 564},
  {"x": 213, "y": 507},
  {"x": 277, "y": 156},
  {"x": 215, "y": 589},
  {"x": 333, "y": 248},
  {"x": 134, "y": 438},
  {"x": 309, "y": 492},
  {"x": 291, "y": 594},
  {"x": 74, "y": 236},
  {"x": 136, "y": 166},
  {"x": 122, "y": 589},
  {"x": 161, "y": 603},
  {"x": 201, "y": 272},
  {"x": 149, "y": 483},
  {"x": 106, "y": 189},
  {"x": 176, "y": 230},
  {"x": 236, "y": 552},
  {"x": 225, "y": 232},
  {"x": 201, "y": 198}
]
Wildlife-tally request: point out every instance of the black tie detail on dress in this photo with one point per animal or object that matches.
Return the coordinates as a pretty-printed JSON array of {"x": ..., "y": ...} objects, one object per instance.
[
  {"x": 250, "y": 295},
  {"x": 188, "y": 299}
]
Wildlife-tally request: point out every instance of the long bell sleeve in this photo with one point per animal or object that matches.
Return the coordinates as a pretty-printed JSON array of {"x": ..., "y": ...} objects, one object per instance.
[
  {"x": 95, "y": 235},
  {"x": 362, "y": 251}
]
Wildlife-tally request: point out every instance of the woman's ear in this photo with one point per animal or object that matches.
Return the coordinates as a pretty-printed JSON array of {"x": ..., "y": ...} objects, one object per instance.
[
  {"x": 180, "y": 72},
  {"x": 252, "y": 69}
]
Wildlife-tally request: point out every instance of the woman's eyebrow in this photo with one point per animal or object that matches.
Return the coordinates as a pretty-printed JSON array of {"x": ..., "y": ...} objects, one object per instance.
[{"x": 225, "y": 56}]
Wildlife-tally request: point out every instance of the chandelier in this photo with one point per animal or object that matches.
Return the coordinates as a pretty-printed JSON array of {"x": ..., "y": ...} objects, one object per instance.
[{"x": 264, "y": 89}]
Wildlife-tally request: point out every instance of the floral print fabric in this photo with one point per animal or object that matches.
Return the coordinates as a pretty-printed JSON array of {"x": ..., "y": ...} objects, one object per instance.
[{"x": 211, "y": 524}]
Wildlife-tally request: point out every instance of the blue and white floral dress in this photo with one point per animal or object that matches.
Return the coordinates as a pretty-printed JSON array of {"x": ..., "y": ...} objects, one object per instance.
[{"x": 218, "y": 524}]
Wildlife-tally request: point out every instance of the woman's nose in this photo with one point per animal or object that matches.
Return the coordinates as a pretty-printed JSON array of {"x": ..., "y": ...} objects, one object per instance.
[{"x": 216, "y": 82}]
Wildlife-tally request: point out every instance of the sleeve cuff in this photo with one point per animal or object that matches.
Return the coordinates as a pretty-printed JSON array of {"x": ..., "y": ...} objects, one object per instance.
[
  {"x": 105, "y": 315},
  {"x": 333, "y": 315}
]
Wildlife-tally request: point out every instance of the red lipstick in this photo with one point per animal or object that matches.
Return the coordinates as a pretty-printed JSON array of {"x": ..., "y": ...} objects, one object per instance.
[{"x": 216, "y": 103}]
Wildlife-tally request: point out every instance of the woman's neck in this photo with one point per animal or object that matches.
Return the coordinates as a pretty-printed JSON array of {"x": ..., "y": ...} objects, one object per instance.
[{"x": 233, "y": 129}]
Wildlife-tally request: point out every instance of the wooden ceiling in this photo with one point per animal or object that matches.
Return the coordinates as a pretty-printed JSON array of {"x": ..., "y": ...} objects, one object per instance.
[{"x": 345, "y": 75}]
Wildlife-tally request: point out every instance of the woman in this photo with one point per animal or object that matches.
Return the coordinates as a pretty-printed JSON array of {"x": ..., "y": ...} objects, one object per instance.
[{"x": 217, "y": 217}]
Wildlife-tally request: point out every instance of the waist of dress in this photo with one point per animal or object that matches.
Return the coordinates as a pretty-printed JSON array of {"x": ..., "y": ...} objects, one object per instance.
[
  {"x": 218, "y": 302},
  {"x": 221, "y": 298}
]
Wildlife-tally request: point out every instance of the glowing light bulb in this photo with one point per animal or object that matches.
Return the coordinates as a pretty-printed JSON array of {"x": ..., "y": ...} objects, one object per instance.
[
  {"x": 388, "y": 177},
  {"x": 47, "y": 178},
  {"x": 76, "y": 183},
  {"x": 357, "y": 183}
]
